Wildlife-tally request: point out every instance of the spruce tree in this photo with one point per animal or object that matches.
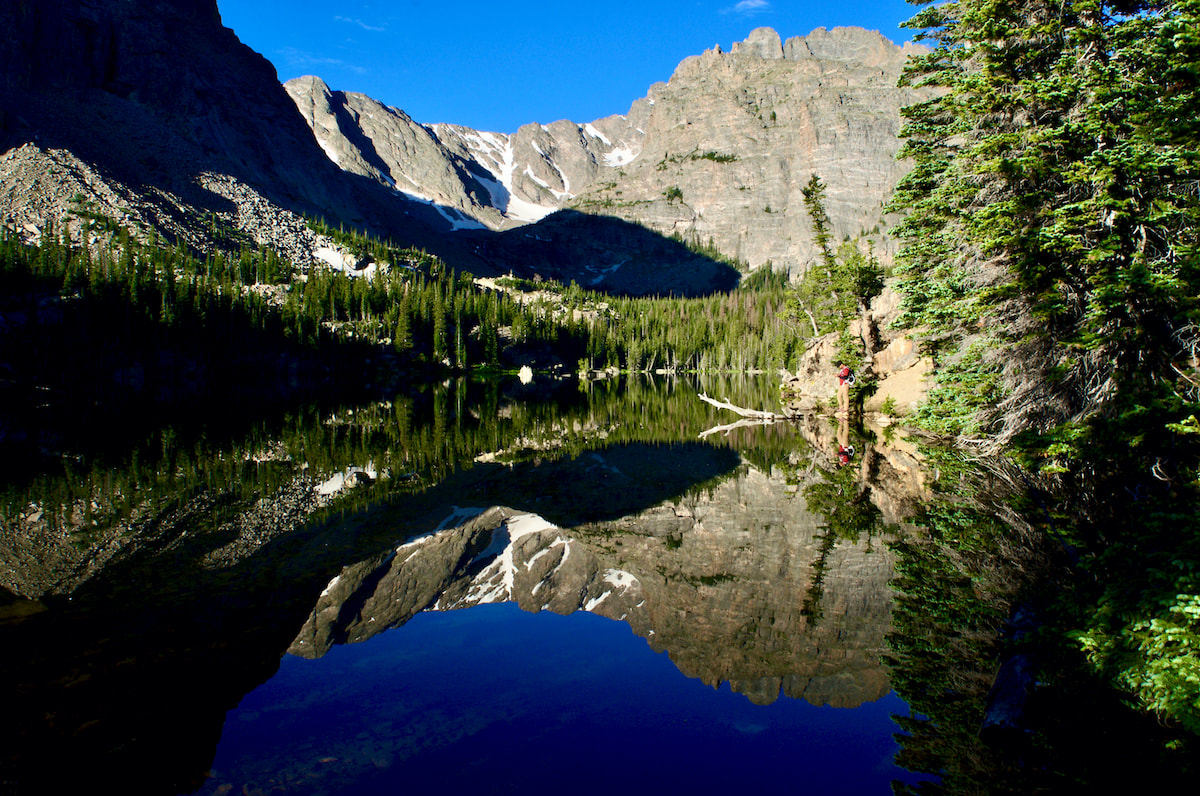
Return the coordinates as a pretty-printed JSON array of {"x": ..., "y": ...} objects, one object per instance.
[
  {"x": 1052, "y": 217},
  {"x": 1049, "y": 203}
]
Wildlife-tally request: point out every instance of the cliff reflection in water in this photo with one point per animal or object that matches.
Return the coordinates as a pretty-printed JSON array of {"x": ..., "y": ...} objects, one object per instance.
[
  {"x": 150, "y": 589},
  {"x": 718, "y": 578}
]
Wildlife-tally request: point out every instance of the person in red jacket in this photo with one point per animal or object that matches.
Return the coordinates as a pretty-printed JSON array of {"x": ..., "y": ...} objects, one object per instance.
[{"x": 845, "y": 379}]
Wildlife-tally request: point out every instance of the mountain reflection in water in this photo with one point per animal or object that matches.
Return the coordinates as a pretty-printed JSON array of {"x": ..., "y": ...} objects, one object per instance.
[{"x": 166, "y": 615}]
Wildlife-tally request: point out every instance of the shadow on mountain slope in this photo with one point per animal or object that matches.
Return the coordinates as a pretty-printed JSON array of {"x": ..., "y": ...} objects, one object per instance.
[
  {"x": 179, "y": 120},
  {"x": 605, "y": 254}
]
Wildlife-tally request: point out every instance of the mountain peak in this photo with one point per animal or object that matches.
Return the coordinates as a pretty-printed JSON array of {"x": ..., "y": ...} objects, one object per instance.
[
  {"x": 718, "y": 154},
  {"x": 761, "y": 43},
  {"x": 848, "y": 45}
]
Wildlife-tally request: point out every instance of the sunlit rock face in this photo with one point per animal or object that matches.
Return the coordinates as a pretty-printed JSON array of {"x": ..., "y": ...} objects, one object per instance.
[
  {"x": 739, "y": 134},
  {"x": 368, "y": 138},
  {"x": 476, "y": 179},
  {"x": 718, "y": 154},
  {"x": 724, "y": 580},
  {"x": 736, "y": 597}
]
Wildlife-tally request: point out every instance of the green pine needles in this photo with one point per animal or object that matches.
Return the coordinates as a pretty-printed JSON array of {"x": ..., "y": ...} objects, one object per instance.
[
  {"x": 1053, "y": 200},
  {"x": 1052, "y": 221},
  {"x": 839, "y": 287}
]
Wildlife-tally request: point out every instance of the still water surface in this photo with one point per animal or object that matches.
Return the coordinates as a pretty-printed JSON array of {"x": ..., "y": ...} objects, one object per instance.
[
  {"x": 494, "y": 700},
  {"x": 479, "y": 585}
]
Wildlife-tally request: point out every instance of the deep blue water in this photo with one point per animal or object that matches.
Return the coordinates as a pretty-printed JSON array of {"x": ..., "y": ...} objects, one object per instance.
[{"x": 495, "y": 700}]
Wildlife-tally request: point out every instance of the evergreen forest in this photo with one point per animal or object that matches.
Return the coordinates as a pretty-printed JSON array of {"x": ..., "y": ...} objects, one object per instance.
[{"x": 105, "y": 324}]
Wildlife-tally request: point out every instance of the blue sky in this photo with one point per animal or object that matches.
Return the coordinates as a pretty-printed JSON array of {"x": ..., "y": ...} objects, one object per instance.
[{"x": 495, "y": 66}]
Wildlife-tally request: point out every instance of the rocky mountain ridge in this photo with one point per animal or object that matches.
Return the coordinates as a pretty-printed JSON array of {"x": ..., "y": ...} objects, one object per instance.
[
  {"x": 153, "y": 114},
  {"x": 476, "y": 179},
  {"x": 188, "y": 134},
  {"x": 718, "y": 154}
]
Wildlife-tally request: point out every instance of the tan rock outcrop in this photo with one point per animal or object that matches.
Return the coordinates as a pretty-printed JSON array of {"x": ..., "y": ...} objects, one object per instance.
[{"x": 897, "y": 365}]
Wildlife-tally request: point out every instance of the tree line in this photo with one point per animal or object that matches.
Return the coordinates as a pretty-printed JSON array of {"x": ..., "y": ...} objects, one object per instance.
[{"x": 414, "y": 307}]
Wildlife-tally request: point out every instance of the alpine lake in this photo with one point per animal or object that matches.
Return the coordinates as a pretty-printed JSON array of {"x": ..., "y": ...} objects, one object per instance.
[{"x": 495, "y": 587}]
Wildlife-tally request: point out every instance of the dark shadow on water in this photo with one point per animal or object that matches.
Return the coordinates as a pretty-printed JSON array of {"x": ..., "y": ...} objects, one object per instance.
[{"x": 135, "y": 670}]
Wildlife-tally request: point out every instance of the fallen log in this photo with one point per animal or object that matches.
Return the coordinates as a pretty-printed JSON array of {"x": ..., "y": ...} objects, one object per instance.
[{"x": 742, "y": 411}]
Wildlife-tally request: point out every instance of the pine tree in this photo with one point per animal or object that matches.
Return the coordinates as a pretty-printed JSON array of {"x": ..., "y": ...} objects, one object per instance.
[
  {"x": 1050, "y": 193},
  {"x": 814, "y": 202},
  {"x": 1053, "y": 216}
]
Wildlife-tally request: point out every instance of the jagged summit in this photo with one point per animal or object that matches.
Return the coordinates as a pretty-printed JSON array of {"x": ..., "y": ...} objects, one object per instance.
[
  {"x": 719, "y": 153},
  {"x": 476, "y": 179},
  {"x": 153, "y": 113}
]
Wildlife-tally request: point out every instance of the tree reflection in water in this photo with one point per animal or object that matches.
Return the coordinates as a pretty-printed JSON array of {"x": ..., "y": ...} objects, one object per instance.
[{"x": 153, "y": 587}]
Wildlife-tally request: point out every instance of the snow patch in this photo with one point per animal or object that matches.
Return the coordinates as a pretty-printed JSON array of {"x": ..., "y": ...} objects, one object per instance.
[
  {"x": 557, "y": 194},
  {"x": 594, "y": 133},
  {"x": 495, "y": 153},
  {"x": 485, "y": 589},
  {"x": 329, "y": 586},
  {"x": 566, "y": 546},
  {"x": 604, "y": 273},
  {"x": 457, "y": 516},
  {"x": 620, "y": 578},
  {"x": 529, "y": 564},
  {"x": 620, "y": 156},
  {"x": 594, "y": 602},
  {"x": 496, "y": 581},
  {"x": 499, "y": 542},
  {"x": 337, "y": 482},
  {"x": 344, "y": 262},
  {"x": 334, "y": 258},
  {"x": 521, "y": 210},
  {"x": 458, "y": 220},
  {"x": 525, "y": 524},
  {"x": 562, "y": 177},
  {"x": 330, "y": 152}
]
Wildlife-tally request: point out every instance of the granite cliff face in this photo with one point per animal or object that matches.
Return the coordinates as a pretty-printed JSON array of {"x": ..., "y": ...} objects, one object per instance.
[
  {"x": 477, "y": 180},
  {"x": 733, "y": 137},
  {"x": 722, "y": 580},
  {"x": 717, "y": 154},
  {"x": 151, "y": 112}
]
